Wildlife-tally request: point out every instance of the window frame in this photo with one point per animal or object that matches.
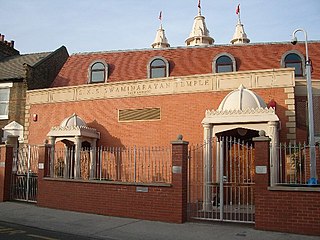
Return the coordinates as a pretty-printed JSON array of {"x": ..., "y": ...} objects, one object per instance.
[
  {"x": 215, "y": 65},
  {"x": 303, "y": 62},
  {"x": 105, "y": 71},
  {"x": 6, "y": 86},
  {"x": 166, "y": 66}
]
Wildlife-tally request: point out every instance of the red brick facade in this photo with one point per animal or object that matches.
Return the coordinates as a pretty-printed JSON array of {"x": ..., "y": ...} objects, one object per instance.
[{"x": 180, "y": 113}]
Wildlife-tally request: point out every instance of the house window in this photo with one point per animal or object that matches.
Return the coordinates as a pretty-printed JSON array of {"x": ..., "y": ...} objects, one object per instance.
[
  {"x": 4, "y": 103},
  {"x": 293, "y": 60},
  {"x": 158, "y": 68},
  {"x": 97, "y": 72},
  {"x": 224, "y": 62}
]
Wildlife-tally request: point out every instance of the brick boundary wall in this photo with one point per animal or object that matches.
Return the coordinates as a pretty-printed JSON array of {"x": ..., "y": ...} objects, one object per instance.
[
  {"x": 284, "y": 209},
  {"x": 161, "y": 202}
]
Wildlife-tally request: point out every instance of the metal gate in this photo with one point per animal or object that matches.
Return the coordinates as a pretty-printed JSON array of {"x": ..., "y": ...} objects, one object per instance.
[
  {"x": 24, "y": 185},
  {"x": 221, "y": 180}
]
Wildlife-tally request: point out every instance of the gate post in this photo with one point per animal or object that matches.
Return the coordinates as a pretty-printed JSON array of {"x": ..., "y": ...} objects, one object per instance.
[
  {"x": 44, "y": 169},
  {"x": 6, "y": 160},
  {"x": 179, "y": 177},
  {"x": 262, "y": 175}
]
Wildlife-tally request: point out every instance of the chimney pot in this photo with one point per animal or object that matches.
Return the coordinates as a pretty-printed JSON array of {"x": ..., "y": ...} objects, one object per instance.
[
  {"x": 2, "y": 38},
  {"x": 12, "y": 44}
]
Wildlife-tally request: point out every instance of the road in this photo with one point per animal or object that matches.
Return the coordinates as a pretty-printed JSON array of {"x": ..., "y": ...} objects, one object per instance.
[{"x": 11, "y": 231}]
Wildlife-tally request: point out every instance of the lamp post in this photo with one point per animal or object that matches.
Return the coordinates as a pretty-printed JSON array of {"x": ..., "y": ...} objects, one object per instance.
[{"x": 294, "y": 40}]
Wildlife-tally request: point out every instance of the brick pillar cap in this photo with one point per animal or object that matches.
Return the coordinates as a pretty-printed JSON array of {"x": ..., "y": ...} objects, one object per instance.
[
  {"x": 262, "y": 137},
  {"x": 179, "y": 140}
]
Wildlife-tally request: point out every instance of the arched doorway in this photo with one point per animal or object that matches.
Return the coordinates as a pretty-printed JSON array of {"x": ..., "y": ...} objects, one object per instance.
[
  {"x": 225, "y": 176},
  {"x": 73, "y": 152}
]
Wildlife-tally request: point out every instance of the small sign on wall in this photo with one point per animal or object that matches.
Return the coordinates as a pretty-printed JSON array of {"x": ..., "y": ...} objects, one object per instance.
[
  {"x": 261, "y": 169},
  {"x": 142, "y": 189},
  {"x": 176, "y": 169},
  {"x": 2, "y": 164},
  {"x": 41, "y": 166}
]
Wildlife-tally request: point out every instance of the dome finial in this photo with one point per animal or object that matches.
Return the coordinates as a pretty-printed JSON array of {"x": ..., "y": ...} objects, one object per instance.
[
  {"x": 239, "y": 36},
  {"x": 160, "y": 41},
  {"x": 199, "y": 34}
]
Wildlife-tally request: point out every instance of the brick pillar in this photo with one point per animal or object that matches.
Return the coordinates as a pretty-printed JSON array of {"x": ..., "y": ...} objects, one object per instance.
[
  {"x": 43, "y": 168},
  {"x": 6, "y": 160},
  {"x": 179, "y": 177},
  {"x": 262, "y": 176}
]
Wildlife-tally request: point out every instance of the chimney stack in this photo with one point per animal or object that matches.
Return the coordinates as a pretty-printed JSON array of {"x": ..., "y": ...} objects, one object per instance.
[
  {"x": 7, "y": 47},
  {"x": 9, "y": 44}
]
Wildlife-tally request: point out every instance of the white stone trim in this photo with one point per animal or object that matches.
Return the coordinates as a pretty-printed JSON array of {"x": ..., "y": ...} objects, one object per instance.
[{"x": 272, "y": 78}]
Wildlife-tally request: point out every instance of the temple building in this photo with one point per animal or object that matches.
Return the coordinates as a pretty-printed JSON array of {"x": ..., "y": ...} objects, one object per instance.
[{"x": 148, "y": 96}]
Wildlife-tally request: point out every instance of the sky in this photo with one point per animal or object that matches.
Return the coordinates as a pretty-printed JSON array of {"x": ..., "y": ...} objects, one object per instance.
[{"x": 104, "y": 25}]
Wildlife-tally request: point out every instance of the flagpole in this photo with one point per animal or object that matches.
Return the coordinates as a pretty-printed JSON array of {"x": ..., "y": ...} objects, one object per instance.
[
  {"x": 199, "y": 8},
  {"x": 160, "y": 18},
  {"x": 238, "y": 13}
]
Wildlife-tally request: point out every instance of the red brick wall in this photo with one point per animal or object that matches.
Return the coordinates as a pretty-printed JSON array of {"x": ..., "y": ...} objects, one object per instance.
[
  {"x": 285, "y": 211},
  {"x": 162, "y": 203},
  {"x": 181, "y": 113}
]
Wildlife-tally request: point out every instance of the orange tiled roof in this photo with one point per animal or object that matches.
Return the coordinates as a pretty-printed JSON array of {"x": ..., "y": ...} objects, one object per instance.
[{"x": 132, "y": 64}]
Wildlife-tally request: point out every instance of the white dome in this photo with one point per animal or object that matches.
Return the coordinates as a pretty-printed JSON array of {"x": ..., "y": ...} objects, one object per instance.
[
  {"x": 73, "y": 120},
  {"x": 241, "y": 99}
]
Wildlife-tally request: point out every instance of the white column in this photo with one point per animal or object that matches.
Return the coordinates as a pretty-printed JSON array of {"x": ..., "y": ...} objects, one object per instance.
[
  {"x": 274, "y": 161},
  {"x": 77, "y": 162},
  {"x": 207, "y": 168},
  {"x": 93, "y": 159}
]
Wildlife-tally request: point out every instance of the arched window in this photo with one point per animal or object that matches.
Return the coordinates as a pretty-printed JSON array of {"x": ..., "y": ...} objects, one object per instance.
[
  {"x": 293, "y": 60},
  {"x": 97, "y": 72},
  {"x": 224, "y": 62},
  {"x": 158, "y": 67}
]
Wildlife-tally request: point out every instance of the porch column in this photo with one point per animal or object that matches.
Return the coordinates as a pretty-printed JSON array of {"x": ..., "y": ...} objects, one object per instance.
[
  {"x": 207, "y": 168},
  {"x": 274, "y": 164},
  {"x": 93, "y": 159},
  {"x": 77, "y": 163},
  {"x": 52, "y": 142}
]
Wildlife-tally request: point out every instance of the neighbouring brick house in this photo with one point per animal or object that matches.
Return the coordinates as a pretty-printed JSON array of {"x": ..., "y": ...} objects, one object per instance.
[{"x": 19, "y": 73}]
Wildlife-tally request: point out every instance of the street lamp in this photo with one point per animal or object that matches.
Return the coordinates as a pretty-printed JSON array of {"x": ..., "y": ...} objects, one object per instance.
[{"x": 313, "y": 173}]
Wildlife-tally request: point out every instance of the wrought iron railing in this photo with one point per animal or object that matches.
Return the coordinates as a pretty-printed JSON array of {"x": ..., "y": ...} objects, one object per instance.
[
  {"x": 124, "y": 164},
  {"x": 292, "y": 162}
]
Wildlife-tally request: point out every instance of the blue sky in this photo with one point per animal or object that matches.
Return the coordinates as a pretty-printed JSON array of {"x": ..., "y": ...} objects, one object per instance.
[{"x": 103, "y": 25}]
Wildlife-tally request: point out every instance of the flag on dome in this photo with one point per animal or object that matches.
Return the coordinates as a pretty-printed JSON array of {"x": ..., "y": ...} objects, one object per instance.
[
  {"x": 238, "y": 9},
  {"x": 199, "y": 4},
  {"x": 160, "y": 15}
]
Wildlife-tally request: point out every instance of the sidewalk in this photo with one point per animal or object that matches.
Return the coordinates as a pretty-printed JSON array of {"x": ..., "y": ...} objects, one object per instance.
[{"x": 100, "y": 227}]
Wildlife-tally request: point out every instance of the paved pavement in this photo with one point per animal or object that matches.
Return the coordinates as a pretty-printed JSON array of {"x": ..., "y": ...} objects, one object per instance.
[{"x": 103, "y": 227}]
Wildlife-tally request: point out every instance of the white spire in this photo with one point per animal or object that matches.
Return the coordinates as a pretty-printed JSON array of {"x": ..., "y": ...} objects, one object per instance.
[
  {"x": 199, "y": 34},
  {"x": 160, "y": 41},
  {"x": 239, "y": 36}
]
